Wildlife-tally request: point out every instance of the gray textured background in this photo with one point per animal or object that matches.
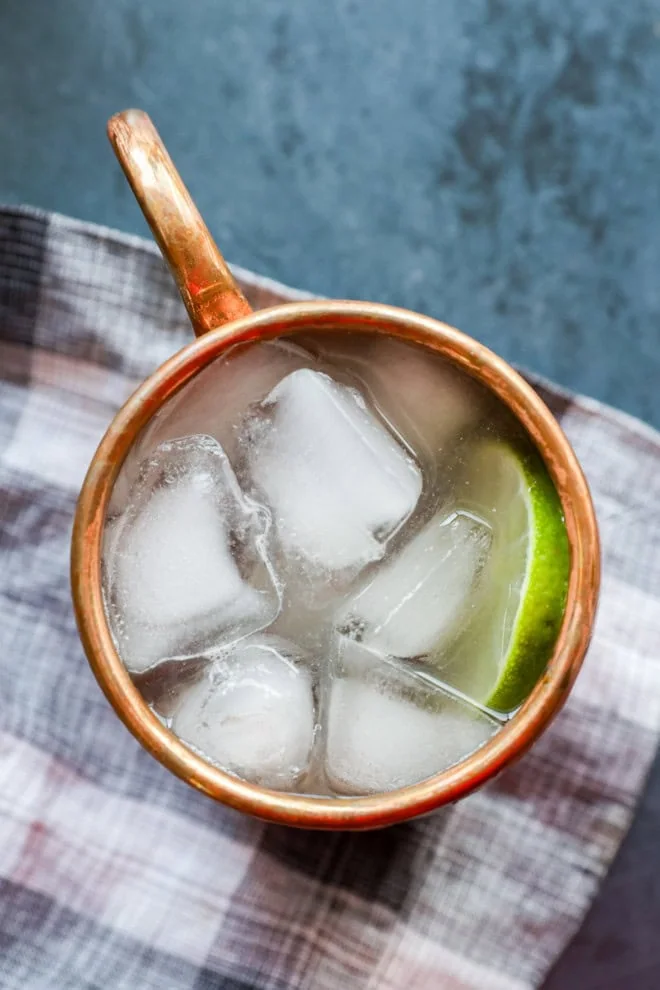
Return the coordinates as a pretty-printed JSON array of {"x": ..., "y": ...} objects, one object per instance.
[
  {"x": 496, "y": 164},
  {"x": 493, "y": 163}
]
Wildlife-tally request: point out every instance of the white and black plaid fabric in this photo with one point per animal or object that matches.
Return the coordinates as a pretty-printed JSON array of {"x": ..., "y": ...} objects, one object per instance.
[{"x": 115, "y": 874}]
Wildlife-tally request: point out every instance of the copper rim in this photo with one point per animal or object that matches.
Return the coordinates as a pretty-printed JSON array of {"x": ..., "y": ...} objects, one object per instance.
[{"x": 510, "y": 742}]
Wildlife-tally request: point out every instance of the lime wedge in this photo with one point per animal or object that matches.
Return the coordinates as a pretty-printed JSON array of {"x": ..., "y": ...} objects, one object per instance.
[{"x": 524, "y": 585}]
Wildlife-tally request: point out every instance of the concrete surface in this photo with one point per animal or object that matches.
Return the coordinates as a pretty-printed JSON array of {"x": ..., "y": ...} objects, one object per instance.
[{"x": 493, "y": 163}]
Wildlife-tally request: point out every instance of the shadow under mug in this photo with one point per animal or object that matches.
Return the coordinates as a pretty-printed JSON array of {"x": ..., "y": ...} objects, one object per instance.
[{"x": 221, "y": 318}]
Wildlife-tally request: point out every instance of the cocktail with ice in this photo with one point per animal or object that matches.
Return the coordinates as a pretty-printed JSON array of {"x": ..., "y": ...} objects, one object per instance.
[{"x": 334, "y": 564}]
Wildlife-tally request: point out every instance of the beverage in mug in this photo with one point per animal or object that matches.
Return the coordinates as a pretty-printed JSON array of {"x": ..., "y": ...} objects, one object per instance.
[{"x": 334, "y": 564}]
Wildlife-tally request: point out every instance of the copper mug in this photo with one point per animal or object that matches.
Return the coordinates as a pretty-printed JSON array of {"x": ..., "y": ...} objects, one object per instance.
[{"x": 221, "y": 318}]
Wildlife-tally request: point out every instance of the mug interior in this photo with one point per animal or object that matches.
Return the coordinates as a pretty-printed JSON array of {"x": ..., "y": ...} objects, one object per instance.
[{"x": 507, "y": 743}]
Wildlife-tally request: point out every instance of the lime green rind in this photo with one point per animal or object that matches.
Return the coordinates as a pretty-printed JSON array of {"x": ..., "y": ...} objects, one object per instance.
[{"x": 543, "y": 598}]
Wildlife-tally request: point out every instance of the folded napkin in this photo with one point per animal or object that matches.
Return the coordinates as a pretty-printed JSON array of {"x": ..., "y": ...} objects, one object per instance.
[{"x": 115, "y": 874}]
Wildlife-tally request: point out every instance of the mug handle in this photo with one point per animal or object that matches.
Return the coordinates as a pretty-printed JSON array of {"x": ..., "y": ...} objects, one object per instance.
[{"x": 208, "y": 289}]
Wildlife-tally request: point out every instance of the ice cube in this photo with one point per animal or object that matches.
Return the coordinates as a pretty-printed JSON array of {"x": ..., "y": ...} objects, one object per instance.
[
  {"x": 387, "y": 728},
  {"x": 337, "y": 482},
  {"x": 428, "y": 401},
  {"x": 181, "y": 561},
  {"x": 254, "y": 714},
  {"x": 212, "y": 404},
  {"x": 417, "y": 600}
]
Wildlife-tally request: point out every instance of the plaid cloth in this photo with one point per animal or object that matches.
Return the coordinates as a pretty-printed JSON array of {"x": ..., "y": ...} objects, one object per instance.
[{"x": 115, "y": 874}]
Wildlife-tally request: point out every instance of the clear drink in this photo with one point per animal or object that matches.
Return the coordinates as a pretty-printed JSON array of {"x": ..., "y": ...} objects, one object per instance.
[{"x": 334, "y": 564}]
